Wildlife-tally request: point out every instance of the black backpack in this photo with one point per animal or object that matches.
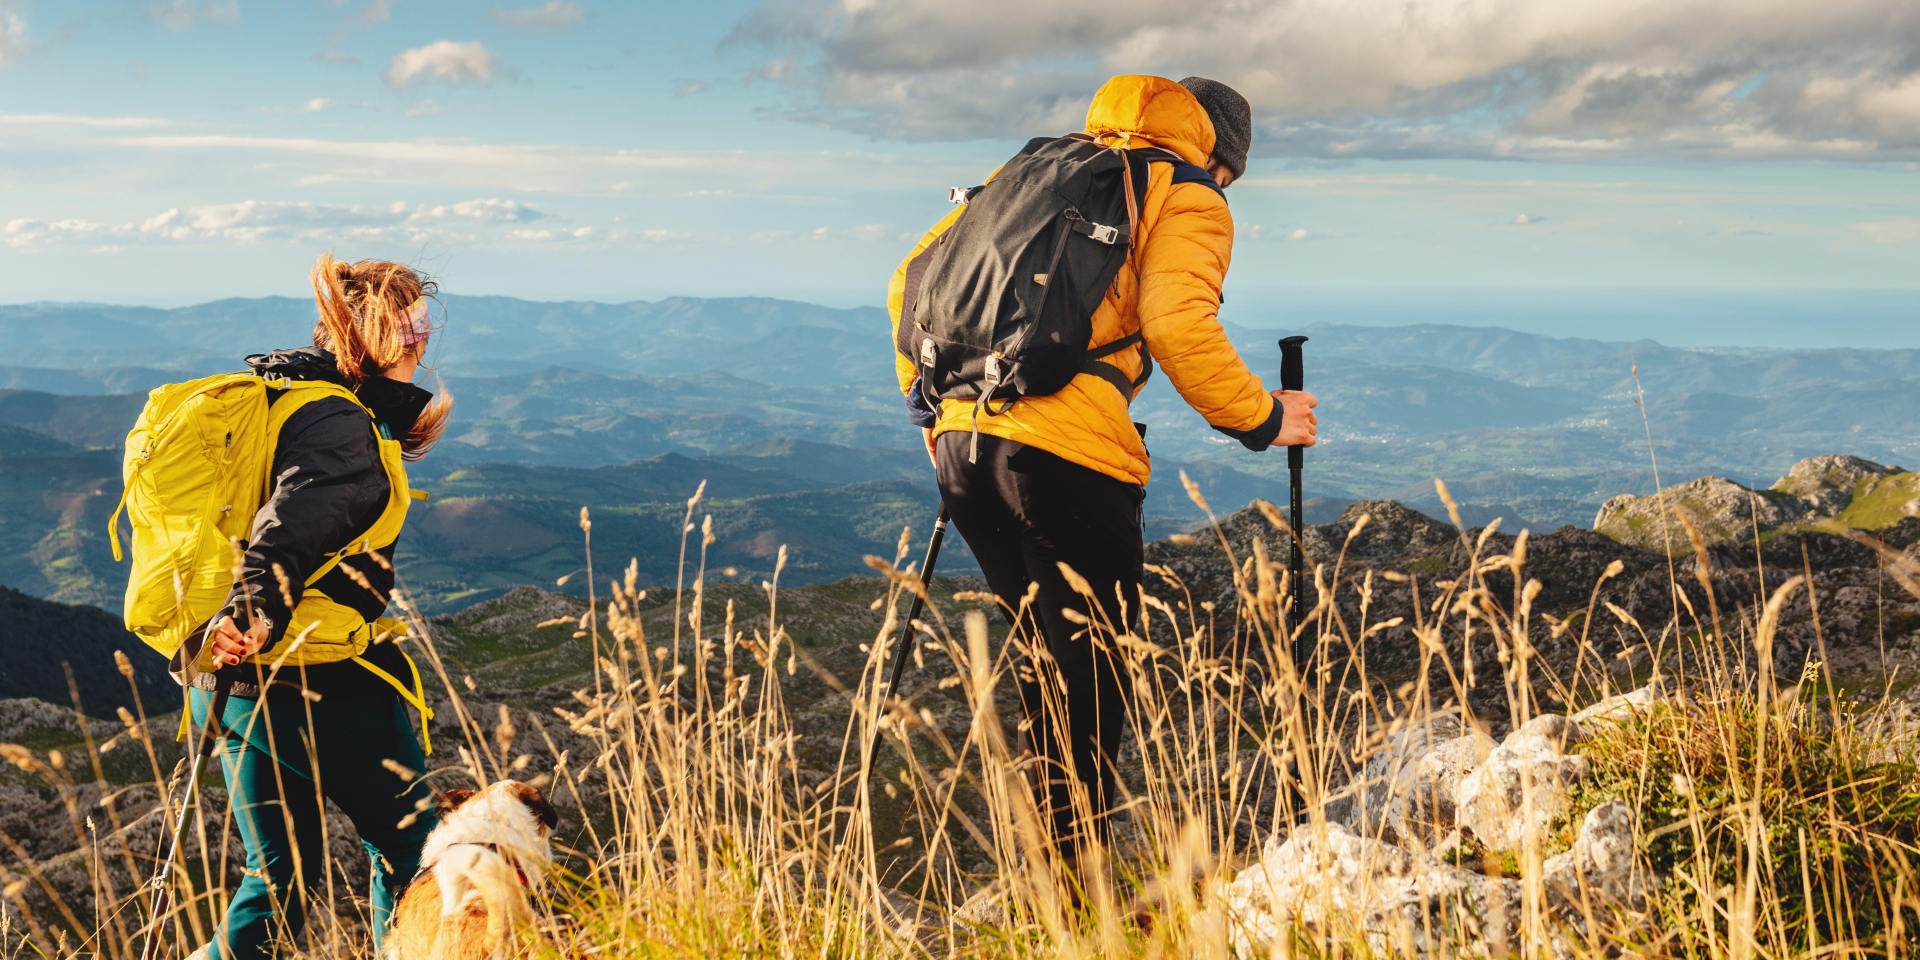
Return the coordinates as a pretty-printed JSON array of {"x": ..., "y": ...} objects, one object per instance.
[{"x": 1001, "y": 305}]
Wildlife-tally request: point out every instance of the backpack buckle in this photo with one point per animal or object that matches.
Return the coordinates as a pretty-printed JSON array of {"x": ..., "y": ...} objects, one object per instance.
[
  {"x": 929, "y": 354},
  {"x": 960, "y": 195},
  {"x": 993, "y": 372},
  {"x": 1103, "y": 233}
]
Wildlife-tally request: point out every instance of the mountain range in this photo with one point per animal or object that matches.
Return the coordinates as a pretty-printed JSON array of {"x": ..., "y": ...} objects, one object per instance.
[{"x": 789, "y": 411}]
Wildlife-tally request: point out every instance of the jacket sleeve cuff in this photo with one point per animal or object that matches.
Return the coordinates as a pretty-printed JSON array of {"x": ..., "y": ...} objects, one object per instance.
[
  {"x": 1262, "y": 436},
  {"x": 271, "y": 611},
  {"x": 921, "y": 412}
]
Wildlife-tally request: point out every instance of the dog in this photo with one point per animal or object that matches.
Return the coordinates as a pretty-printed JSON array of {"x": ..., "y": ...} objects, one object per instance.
[{"x": 490, "y": 851}]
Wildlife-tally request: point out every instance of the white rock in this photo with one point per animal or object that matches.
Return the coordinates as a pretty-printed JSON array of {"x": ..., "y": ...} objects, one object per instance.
[
  {"x": 1396, "y": 798},
  {"x": 1400, "y": 901},
  {"x": 1603, "y": 872},
  {"x": 1620, "y": 706},
  {"x": 1424, "y": 812},
  {"x": 1522, "y": 785}
]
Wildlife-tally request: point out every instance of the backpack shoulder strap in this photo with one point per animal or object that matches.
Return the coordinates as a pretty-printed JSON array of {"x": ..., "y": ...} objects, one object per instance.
[
  {"x": 1184, "y": 172},
  {"x": 299, "y": 393}
]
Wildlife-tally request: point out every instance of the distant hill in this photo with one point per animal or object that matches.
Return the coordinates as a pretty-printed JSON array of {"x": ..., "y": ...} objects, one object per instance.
[
  {"x": 1820, "y": 493},
  {"x": 86, "y": 422},
  {"x": 769, "y": 341},
  {"x": 462, "y": 549},
  {"x": 54, "y": 504},
  {"x": 40, "y": 640}
]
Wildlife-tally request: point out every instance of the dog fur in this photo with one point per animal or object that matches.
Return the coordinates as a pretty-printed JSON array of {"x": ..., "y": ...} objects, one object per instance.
[{"x": 470, "y": 898}]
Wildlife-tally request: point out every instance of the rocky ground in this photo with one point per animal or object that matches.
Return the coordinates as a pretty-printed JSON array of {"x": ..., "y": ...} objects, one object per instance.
[
  {"x": 1414, "y": 866},
  {"x": 1612, "y": 605},
  {"x": 1590, "y": 624}
]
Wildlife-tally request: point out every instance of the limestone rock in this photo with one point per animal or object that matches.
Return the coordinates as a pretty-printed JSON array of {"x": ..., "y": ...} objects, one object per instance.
[
  {"x": 1602, "y": 878},
  {"x": 1562, "y": 731},
  {"x": 1391, "y": 781},
  {"x": 1620, "y": 706},
  {"x": 1426, "y": 812},
  {"x": 1828, "y": 484},
  {"x": 1402, "y": 902},
  {"x": 1723, "y": 512},
  {"x": 1612, "y": 507},
  {"x": 1522, "y": 785}
]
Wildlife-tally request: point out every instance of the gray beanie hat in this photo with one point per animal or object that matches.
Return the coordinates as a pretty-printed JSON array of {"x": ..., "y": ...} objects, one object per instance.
[{"x": 1232, "y": 121}]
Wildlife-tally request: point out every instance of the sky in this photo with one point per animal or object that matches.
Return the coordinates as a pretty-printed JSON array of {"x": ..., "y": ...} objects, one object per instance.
[{"x": 1745, "y": 158}]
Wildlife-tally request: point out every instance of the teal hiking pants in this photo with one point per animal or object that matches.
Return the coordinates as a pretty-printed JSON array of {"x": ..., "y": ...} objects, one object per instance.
[{"x": 278, "y": 811}]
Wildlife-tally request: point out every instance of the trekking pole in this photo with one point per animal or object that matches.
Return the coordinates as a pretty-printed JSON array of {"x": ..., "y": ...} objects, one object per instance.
[
  {"x": 204, "y": 746},
  {"x": 1291, "y": 377},
  {"x": 906, "y": 635}
]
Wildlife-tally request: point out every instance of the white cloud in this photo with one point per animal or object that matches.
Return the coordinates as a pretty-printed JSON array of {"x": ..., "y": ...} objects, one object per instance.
[
  {"x": 27, "y": 233},
  {"x": 376, "y": 11},
  {"x": 866, "y": 233},
  {"x": 1527, "y": 219},
  {"x": 492, "y": 210},
  {"x": 447, "y": 60},
  {"x": 56, "y": 120},
  {"x": 315, "y": 105},
  {"x": 551, "y": 15},
  {"x": 1575, "y": 79},
  {"x": 181, "y": 14},
  {"x": 578, "y": 233},
  {"x": 255, "y": 221},
  {"x": 14, "y": 46},
  {"x": 1898, "y": 230},
  {"x": 563, "y": 168}
]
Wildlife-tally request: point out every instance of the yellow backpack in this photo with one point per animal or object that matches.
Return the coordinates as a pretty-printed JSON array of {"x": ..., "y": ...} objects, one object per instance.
[{"x": 198, "y": 466}]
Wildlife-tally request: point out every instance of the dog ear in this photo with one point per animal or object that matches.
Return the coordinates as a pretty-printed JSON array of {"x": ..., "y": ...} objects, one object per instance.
[
  {"x": 452, "y": 799},
  {"x": 538, "y": 803}
]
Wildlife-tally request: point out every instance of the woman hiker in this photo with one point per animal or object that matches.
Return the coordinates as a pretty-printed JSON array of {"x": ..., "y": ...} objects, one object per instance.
[{"x": 332, "y": 715}]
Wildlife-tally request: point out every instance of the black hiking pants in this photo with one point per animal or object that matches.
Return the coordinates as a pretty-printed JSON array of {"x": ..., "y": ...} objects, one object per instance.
[{"x": 1023, "y": 512}]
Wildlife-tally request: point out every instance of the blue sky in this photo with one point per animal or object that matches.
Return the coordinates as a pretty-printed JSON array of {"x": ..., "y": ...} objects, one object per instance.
[{"x": 174, "y": 151}]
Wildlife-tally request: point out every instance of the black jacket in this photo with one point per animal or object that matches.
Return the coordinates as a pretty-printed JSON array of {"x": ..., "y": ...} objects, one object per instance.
[{"x": 328, "y": 489}]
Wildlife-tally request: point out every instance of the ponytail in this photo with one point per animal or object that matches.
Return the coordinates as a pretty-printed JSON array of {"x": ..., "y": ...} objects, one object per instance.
[{"x": 365, "y": 312}]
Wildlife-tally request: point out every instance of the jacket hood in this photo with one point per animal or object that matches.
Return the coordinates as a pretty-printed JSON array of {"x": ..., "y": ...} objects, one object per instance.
[
  {"x": 1151, "y": 111},
  {"x": 302, "y": 363},
  {"x": 393, "y": 403}
]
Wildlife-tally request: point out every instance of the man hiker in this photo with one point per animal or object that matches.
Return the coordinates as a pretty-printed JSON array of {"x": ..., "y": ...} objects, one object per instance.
[{"x": 1058, "y": 479}]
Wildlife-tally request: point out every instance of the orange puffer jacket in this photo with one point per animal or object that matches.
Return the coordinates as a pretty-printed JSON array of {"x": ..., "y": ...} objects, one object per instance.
[{"x": 1169, "y": 291}]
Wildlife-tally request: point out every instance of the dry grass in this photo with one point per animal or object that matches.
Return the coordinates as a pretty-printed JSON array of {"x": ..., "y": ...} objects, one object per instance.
[{"x": 1781, "y": 818}]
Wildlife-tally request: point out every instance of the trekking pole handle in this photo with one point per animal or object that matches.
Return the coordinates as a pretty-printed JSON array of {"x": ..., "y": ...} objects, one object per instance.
[{"x": 1292, "y": 377}]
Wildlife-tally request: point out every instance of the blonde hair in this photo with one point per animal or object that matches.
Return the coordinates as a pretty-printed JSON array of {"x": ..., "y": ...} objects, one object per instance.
[{"x": 364, "y": 321}]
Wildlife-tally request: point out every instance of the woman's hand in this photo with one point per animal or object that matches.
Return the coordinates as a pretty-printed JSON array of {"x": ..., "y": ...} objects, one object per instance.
[
  {"x": 1298, "y": 425},
  {"x": 230, "y": 645},
  {"x": 933, "y": 452}
]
